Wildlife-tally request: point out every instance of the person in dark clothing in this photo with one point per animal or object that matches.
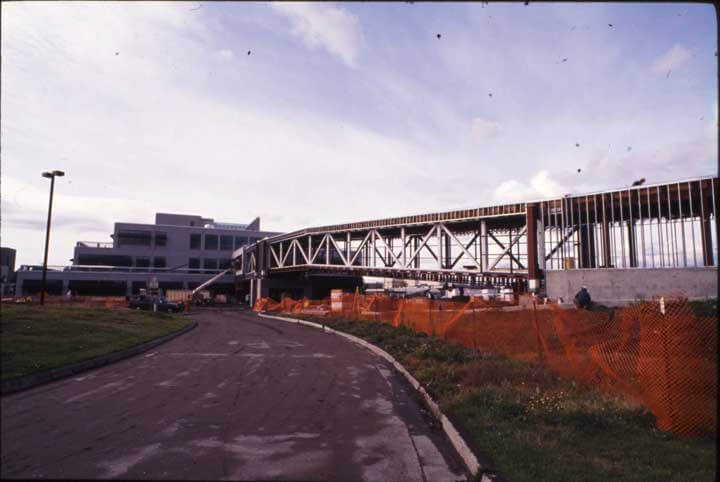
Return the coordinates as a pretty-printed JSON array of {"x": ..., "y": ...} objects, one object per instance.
[{"x": 582, "y": 298}]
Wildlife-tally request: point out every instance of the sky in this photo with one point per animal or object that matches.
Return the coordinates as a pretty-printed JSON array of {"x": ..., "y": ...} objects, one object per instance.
[{"x": 309, "y": 114}]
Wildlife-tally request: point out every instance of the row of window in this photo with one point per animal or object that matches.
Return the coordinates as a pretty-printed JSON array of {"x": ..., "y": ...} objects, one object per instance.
[
  {"x": 193, "y": 263},
  {"x": 141, "y": 238},
  {"x": 209, "y": 263},
  {"x": 223, "y": 242},
  {"x": 212, "y": 241}
]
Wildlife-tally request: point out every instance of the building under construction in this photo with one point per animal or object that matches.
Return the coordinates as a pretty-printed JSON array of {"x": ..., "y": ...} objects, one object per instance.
[{"x": 624, "y": 244}]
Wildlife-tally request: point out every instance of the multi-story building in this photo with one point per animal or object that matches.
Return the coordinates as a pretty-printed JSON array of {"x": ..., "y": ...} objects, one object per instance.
[{"x": 180, "y": 251}]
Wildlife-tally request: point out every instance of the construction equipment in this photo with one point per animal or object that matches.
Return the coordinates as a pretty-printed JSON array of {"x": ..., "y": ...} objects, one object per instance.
[{"x": 202, "y": 296}]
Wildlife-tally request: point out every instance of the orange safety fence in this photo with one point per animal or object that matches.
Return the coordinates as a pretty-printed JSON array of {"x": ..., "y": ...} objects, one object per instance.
[{"x": 660, "y": 354}]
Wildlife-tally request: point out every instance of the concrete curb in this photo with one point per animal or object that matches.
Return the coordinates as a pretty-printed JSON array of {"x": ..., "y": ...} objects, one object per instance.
[
  {"x": 467, "y": 455},
  {"x": 29, "y": 381}
]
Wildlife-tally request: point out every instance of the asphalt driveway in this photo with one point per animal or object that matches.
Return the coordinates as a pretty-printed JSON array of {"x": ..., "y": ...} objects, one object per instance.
[{"x": 238, "y": 398}]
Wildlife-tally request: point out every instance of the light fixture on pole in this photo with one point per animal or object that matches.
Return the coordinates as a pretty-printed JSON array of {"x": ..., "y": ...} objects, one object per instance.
[{"x": 51, "y": 175}]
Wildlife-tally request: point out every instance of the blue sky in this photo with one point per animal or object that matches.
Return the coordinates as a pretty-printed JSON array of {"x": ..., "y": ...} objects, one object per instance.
[{"x": 340, "y": 112}]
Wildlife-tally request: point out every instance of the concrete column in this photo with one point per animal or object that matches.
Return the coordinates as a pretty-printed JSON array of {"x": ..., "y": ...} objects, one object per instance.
[
  {"x": 252, "y": 292},
  {"x": 65, "y": 286},
  {"x": 128, "y": 288},
  {"x": 185, "y": 285},
  {"x": 259, "y": 283}
]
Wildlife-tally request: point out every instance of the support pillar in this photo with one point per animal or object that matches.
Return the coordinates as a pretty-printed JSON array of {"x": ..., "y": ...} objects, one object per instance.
[
  {"x": 252, "y": 293},
  {"x": 707, "y": 243},
  {"x": 541, "y": 245},
  {"x": 128, "y": 288},
  {"x": 416, "y": 243},
  {"x": 448, "y": 260},
  {"x": 587, "y": 241},
  {"x": 532, "y": 248},
  {"x": 607, "y": 261},
  {"x": 484, "y": 256},
  {"x": 632, "y": 251}
]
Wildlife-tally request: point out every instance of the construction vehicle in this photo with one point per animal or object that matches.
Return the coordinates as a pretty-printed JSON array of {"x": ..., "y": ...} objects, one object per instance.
[{"x": 201, "y": 296}]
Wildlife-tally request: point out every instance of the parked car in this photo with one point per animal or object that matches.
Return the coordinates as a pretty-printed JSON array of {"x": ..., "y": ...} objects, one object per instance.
[{"x": 146, "y": 303}]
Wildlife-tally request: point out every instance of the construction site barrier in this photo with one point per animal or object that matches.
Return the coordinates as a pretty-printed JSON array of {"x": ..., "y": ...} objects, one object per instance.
[{"x": 658, "y": 352}]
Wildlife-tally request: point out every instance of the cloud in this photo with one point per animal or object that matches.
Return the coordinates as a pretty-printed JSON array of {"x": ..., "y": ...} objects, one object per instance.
[
  {"x": 541, "y": 186},
  {"x": 324, "y": 26},
  {"x": 483, "y": 130},
  {"x": 672, "y": 59}
]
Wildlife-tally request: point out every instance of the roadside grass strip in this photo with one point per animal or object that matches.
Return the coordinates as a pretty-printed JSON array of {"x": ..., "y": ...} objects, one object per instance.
[
  {"x": 527, "y": 424},
  {"x": 34, "y": 338}
]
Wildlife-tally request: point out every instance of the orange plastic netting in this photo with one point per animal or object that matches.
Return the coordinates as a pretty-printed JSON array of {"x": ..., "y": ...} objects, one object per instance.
[{"x": 662, "y": 355}]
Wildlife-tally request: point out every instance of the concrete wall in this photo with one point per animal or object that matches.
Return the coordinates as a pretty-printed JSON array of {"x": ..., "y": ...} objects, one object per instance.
[{"x": 619, "y": 286}]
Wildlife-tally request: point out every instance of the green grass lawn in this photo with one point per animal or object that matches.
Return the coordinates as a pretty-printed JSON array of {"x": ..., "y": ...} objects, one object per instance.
[
  {"x": 35, "y": 338},
  {"x": 530, "y": 425}
]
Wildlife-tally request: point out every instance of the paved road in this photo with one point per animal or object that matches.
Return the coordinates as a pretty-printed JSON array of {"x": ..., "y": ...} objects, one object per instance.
[{"x": 239, "y": 397}]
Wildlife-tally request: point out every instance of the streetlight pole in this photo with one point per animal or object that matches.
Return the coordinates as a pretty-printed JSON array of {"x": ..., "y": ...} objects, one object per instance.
[{"x": 51, "y": 176}]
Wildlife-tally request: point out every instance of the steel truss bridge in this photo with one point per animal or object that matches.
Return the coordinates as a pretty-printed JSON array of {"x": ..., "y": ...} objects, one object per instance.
[{"x": 649, "y": 226}]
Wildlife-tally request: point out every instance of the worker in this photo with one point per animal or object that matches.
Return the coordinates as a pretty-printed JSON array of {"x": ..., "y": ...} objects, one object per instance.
[{"x": 582, "y": 298}]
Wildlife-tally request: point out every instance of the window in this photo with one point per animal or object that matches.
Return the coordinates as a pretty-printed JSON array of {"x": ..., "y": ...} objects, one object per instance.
[
  {"x": 194, "y": 263},
  {"x": 211, "y": 241},
  {"x": 223, "y": 263},
  {"x": 104, "y": 260},
  {"x": 194, "y": 240},
  {"x": 226, "y": 243},
  {"x": 142, "y": 263},
  {"x": 134, "y": 238},
  {"x": 209, "y": 264},
  {"x": 239, "y": 241},
  {"x": 159, "y": 262},
  {"x": 160, "y": 239}
]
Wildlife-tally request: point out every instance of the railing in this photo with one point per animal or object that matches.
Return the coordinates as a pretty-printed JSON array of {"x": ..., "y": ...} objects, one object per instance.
[
  {"x": 93, "y": 244},
  {"x": 121, "y": 269}
]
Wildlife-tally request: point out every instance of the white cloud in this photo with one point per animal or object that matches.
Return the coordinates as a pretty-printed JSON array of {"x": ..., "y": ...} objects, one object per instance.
[
  {"x": 672, "y": 59},
  {"x": 540, "y": 186},
  {"x": 483, "y": 130},
  {"x": 324, "y": 25}
]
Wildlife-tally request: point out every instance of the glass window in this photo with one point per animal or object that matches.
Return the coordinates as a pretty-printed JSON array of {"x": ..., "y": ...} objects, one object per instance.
[
  {"x": 211, "y": 241},
  {"x": 194, "y": 263},
  {"x": 134, "y": 238},
  {"x": 142, "y": 263},
  {"x": 209, "y": 264},
  {"x": 194, "y": 240},
  {"x": 239, "y": 241},
  {"x": 160, "y": 239},
  {"x": 223, "y": 263},
  {"x": 226, "y": 243},
  {"x": 159, "y": 262}
]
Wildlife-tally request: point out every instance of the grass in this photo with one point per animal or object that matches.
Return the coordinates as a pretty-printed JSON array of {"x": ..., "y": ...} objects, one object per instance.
[
  {"x": 529, "y": 424},
  {"x": 34, "y": 338}
]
